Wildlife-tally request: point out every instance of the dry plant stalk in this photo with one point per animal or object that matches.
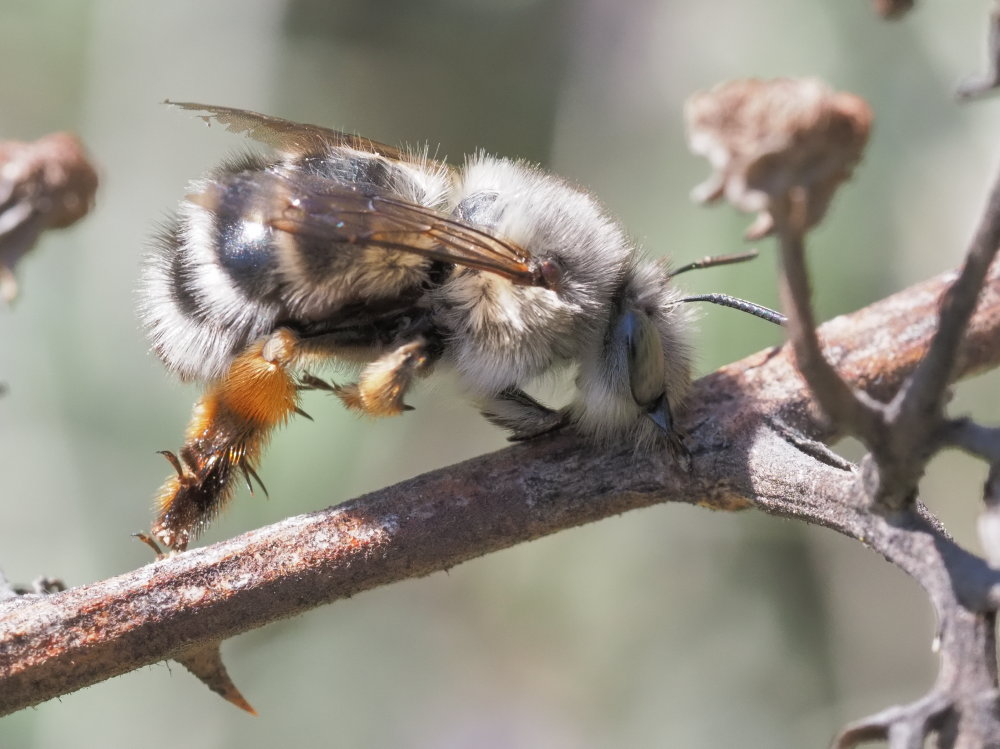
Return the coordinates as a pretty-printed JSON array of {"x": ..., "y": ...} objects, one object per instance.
[{"x": 903, "y": 429}]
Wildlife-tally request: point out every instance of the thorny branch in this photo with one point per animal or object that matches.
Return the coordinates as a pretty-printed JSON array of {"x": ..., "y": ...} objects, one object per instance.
[{"x": 756, "y": 441}]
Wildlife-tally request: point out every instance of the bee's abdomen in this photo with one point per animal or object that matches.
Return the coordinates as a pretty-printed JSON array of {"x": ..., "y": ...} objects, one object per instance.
[
  {"x": 204, "y": 292},
  {"x": 243, "y": 242}
]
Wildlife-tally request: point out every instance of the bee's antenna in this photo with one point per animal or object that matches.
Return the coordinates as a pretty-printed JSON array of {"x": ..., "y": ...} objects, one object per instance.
[
  {"x": 724, "y": 300},
  {"x": 710, "y": 261}
]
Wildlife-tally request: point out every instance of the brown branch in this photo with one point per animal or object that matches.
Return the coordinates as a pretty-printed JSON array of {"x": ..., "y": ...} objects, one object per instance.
[{"x": 754, "y": 431}]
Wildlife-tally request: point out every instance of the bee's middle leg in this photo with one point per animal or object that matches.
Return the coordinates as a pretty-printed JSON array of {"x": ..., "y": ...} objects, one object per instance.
[
  {"x": 524, "y": 417},
  {"x": 384, "y": 382}
]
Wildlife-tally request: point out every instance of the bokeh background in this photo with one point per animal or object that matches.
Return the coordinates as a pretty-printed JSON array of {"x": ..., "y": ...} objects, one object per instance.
[{"x": 670, "y": 626}]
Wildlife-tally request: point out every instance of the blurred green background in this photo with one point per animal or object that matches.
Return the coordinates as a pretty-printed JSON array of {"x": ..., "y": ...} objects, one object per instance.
[{"x": 671, "y": 626}]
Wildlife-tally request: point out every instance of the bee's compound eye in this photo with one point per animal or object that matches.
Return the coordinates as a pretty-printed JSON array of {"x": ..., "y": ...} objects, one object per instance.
[
  {"x": 636, "y": 333},
  {"x": 551, "y": 273}
]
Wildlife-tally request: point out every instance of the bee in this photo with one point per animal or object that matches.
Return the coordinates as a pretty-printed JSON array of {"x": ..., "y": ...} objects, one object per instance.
[{"x": 339, "y": 248}]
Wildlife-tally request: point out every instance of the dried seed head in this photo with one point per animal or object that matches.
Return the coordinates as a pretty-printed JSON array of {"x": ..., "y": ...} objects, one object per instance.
[
  {"x": 893, "y": 8},
  {"x": 764, "y": 138},
  {"x": 47, "y": 184},
  {"x": 53, "y": 173}
]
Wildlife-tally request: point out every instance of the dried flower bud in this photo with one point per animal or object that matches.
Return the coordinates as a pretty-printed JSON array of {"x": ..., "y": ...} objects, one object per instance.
[
  {"x": 47, "y": 184},
  {"x": 764, "y": 138}
]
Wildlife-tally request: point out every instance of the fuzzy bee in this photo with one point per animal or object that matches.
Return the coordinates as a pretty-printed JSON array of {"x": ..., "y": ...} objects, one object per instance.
[{"x": 340, "y": 248}]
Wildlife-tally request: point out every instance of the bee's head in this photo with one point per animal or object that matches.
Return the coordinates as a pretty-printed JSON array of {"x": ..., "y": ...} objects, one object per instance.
[
  {"x": 632, "y": 384},
  {"x": 634, "y": 379}
]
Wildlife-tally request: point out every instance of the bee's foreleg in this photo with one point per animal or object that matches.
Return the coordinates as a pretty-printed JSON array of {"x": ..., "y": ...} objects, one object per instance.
[
  {"x": 384, "y": 382},
  {"x": 520, "y": 414},
  {"x": 228, "y": 431}
]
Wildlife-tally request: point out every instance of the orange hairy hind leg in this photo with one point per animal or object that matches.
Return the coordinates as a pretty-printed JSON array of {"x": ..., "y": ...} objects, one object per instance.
[{"x": 228, "y": 431}]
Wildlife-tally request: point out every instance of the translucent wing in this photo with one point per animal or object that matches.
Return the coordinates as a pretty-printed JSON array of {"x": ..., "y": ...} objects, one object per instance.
[
  {"x": 358, "y": 216},
  {"x": 284, "y": 135}
]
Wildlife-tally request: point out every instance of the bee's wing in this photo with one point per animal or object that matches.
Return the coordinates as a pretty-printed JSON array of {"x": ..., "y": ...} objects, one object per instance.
[
  {"x": 350, "y": 215},
  {"x": 284, "y": 135}
]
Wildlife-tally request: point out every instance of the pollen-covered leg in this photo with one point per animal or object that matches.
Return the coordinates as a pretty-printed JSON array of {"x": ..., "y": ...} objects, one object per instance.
[
  {"x": 384, "y": 382},
  {"x": 228, "y": 430},
  {"x": 523, "y": 416}
]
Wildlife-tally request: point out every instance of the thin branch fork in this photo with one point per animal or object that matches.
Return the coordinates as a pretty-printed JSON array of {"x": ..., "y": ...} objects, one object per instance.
[
  {"x": 902, "y": 436},
  {"x": 859, "y": 414},
  {"x": 753, "y": 436},
  {"x": 917, "y": 411},
  {"x": 904, "y": 432}
]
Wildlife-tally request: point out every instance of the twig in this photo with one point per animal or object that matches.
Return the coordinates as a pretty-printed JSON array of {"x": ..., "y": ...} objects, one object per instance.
[
  {"x": 962, "y": 706},
  {"x": 903, "y": 434},
  {"x": 982, "y": 442},
  {"x": 748, "y": 423},
  {"x": 975, "y": 439},
  {"x": 917, "y": 411},
  {"x": 905, "y": 726},
  {"x": 856, "y": 412},
  {"x": 978, "y": 86}
]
